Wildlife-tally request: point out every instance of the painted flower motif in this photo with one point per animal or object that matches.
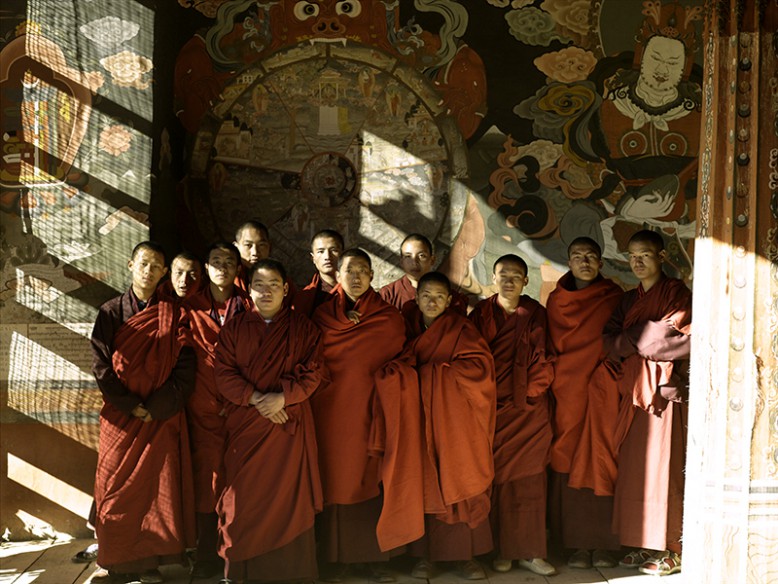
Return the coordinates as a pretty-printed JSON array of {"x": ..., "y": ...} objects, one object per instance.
[
  {"x": 544, "y": 151},
  {"x": 568, "y": 65},
  {"x": 514, "y": 3},
  {"x": 207, "y": 7},
  {"x": 532, "y": 26},
  {"x": 556, "y": 104},
  {"x": 574, "y": 181},
  {"x": 127, "y": 69},
  {"x": 115, "y": 140},
  {"x": 109, "y": 31},
  {"x": 572, "y": 15}
]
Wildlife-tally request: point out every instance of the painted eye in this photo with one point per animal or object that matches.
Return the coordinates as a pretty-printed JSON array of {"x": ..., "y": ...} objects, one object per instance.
[
  {"x": 351, "y": 8},
  {"x": 304, "y": 10}
]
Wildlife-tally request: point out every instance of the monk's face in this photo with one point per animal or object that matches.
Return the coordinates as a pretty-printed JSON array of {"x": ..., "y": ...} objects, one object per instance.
[
  {"x": 184, "y": 275},
  {"x": 325, "y": 253},
  {"x": 646, "y": 261},
  {"x": 584, "y": 262},
  {"x": 433, "y": 298},
  {"x": 253, "y": 245},
  {"x": 267, "y": 291},
  {"x": 355, "y": 276},
  {"x": 510, "y": 279},
  {"x": 147, "y": 268},
  {"x": 222, "y": 267},
  {"x": 416, "y": 259}
]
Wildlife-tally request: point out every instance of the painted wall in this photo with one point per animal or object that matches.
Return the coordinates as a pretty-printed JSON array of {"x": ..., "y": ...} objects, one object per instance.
[{"x": 491, "y": 126}]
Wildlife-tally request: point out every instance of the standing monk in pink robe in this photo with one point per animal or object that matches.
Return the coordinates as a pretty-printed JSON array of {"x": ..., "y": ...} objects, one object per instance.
[
  {"x": 578, "y": 309},
  {"x": 515, "y": 328},
  {"x": 209, "y": 310},
  {"x": 144, "y": 366},
  {"x": 648, "y": 341},
  {"x": 360, "y": 334},
  {"x": 268, "y": 363}
]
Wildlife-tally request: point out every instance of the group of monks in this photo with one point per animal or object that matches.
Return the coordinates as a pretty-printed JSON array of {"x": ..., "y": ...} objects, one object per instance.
[{"x": 294, "y": 434}]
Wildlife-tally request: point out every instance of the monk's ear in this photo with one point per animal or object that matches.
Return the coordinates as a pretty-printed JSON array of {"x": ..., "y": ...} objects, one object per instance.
[
  {"x": 371, "y": 275},
  {"x": 286, "y": 288},
  {"x": 662, "y": 255},
  {"x": 433, "y": 259},
  {"x": 164, "y": 270},
  {"x": 448, "y": 301},
  {"x": 337, "y": 275}
]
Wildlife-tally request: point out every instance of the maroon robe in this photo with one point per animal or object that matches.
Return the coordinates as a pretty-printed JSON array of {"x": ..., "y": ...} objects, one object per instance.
[
  {"x": 400, "y": 291},
  {"x": 454, "y": 371},
  {"x": 143, "y": 490},
  {"x": 524, "y": 366},
  {"x": 272, "y": 489},
  {"x": 316, "y": 293},
  {"x": 342, "y": 410},
  {"x": 575, "y": 322},
  {"x": 649, "y": 336}
]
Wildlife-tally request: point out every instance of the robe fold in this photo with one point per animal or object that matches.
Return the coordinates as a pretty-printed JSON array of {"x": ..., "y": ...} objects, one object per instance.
[
  {"x": 645, "y": 333},
  {"x": 524, "y": 365},
  {"x": 575, "y": 322},
  {"x": 343, "y": 411},
  {"x": 204, "y": 409},
  {"x": 400, "y": 291},
  {"x": 272, "y": 488},
  {"x": 451, "y": 368},
  {"x": 316, "y": 293},
  {"x": 143, "y": 486}
]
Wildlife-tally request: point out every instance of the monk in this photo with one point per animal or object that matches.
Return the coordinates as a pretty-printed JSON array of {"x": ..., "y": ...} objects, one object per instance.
[
  {"x": 360, "y": 333},
  {"x": 647, "y": 339},
  {"x": 515, "y": 327},
  {"x": 145, "y": 370},
  {"x": 416, "y": 259},
  {"x": 453, "y": 369},
  {"x": 326, "y": 247},
  {"x": 186, "y": 274},
  {"x": 252, "y": 239},
  {"x": 268, "y": 363},
  {"x": 578, "y": 309},
  {"x": 209, "y": 310}
]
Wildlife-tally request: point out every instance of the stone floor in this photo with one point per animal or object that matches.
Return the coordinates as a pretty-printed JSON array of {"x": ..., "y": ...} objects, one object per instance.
[{"x": 48, "y": 562}]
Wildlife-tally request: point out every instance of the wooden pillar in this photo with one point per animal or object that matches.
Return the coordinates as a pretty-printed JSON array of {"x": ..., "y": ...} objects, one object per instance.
[{"x": 731, "y": 503}]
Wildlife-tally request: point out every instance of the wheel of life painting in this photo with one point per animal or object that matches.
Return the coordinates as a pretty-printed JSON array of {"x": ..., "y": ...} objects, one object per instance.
[{"x": 331, "y": 135}]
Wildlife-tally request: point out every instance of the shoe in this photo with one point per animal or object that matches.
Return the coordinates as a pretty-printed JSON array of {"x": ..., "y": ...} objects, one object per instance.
[
  {"x": 539, "y": 566},
  {"x": 380, "y": 573},
  {"x": 151, "y": 577},
  {"x": 603, "y": 559},
  {"x": 471, "y": 570},
  {"x": 501, "y": 565},
  {"x": 85, "y": 556},
  {"x": 203, "y": 569},
  {"x": 663, "y": 564},
  {"x": 635, "y": 559},
  {"x": 423, "y": 570},
  {"x": 580, "y": 560}
]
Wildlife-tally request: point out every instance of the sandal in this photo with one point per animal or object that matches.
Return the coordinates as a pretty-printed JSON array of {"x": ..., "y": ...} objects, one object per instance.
[
  {"x": 663, "y": 564},
  {"x": 636, "y": 558}
]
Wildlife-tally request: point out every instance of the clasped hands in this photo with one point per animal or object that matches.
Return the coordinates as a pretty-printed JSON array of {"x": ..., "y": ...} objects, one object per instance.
[{"x": 270, "y": 405}]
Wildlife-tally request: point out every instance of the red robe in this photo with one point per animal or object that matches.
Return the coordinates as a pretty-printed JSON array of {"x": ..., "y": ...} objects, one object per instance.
[
  {"x": 452, "y": 368},
  {"x": 401, "y": 291},
  {"x": 524, "y": 367},
  {"x": 649, "y": 333},
  {"x": 575, "y": 322},
  {"x": 143, "y": 493},
  {"x": 204, "y": 409},
  {"x": 272, "y": 488},
  {"x": 626, "y": 379},
  {"x": 316, "y": 293},
  {"x": 343, "y": 408}
]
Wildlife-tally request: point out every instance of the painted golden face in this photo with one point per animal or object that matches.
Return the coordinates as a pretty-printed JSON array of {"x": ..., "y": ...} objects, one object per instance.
[{"x": 663, "y": 63}]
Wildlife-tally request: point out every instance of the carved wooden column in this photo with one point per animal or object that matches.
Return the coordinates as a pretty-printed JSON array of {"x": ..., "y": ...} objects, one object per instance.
[{"x": 731, "y": 503}]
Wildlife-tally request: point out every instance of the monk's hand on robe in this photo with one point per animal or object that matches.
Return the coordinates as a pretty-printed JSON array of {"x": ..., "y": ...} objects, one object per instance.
[
  {"x": 141, "y": 412},
  {"x": 270, "y": 403},
  {"x": 353, "y": 316},
  {"x": 279, "y": 417}
]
